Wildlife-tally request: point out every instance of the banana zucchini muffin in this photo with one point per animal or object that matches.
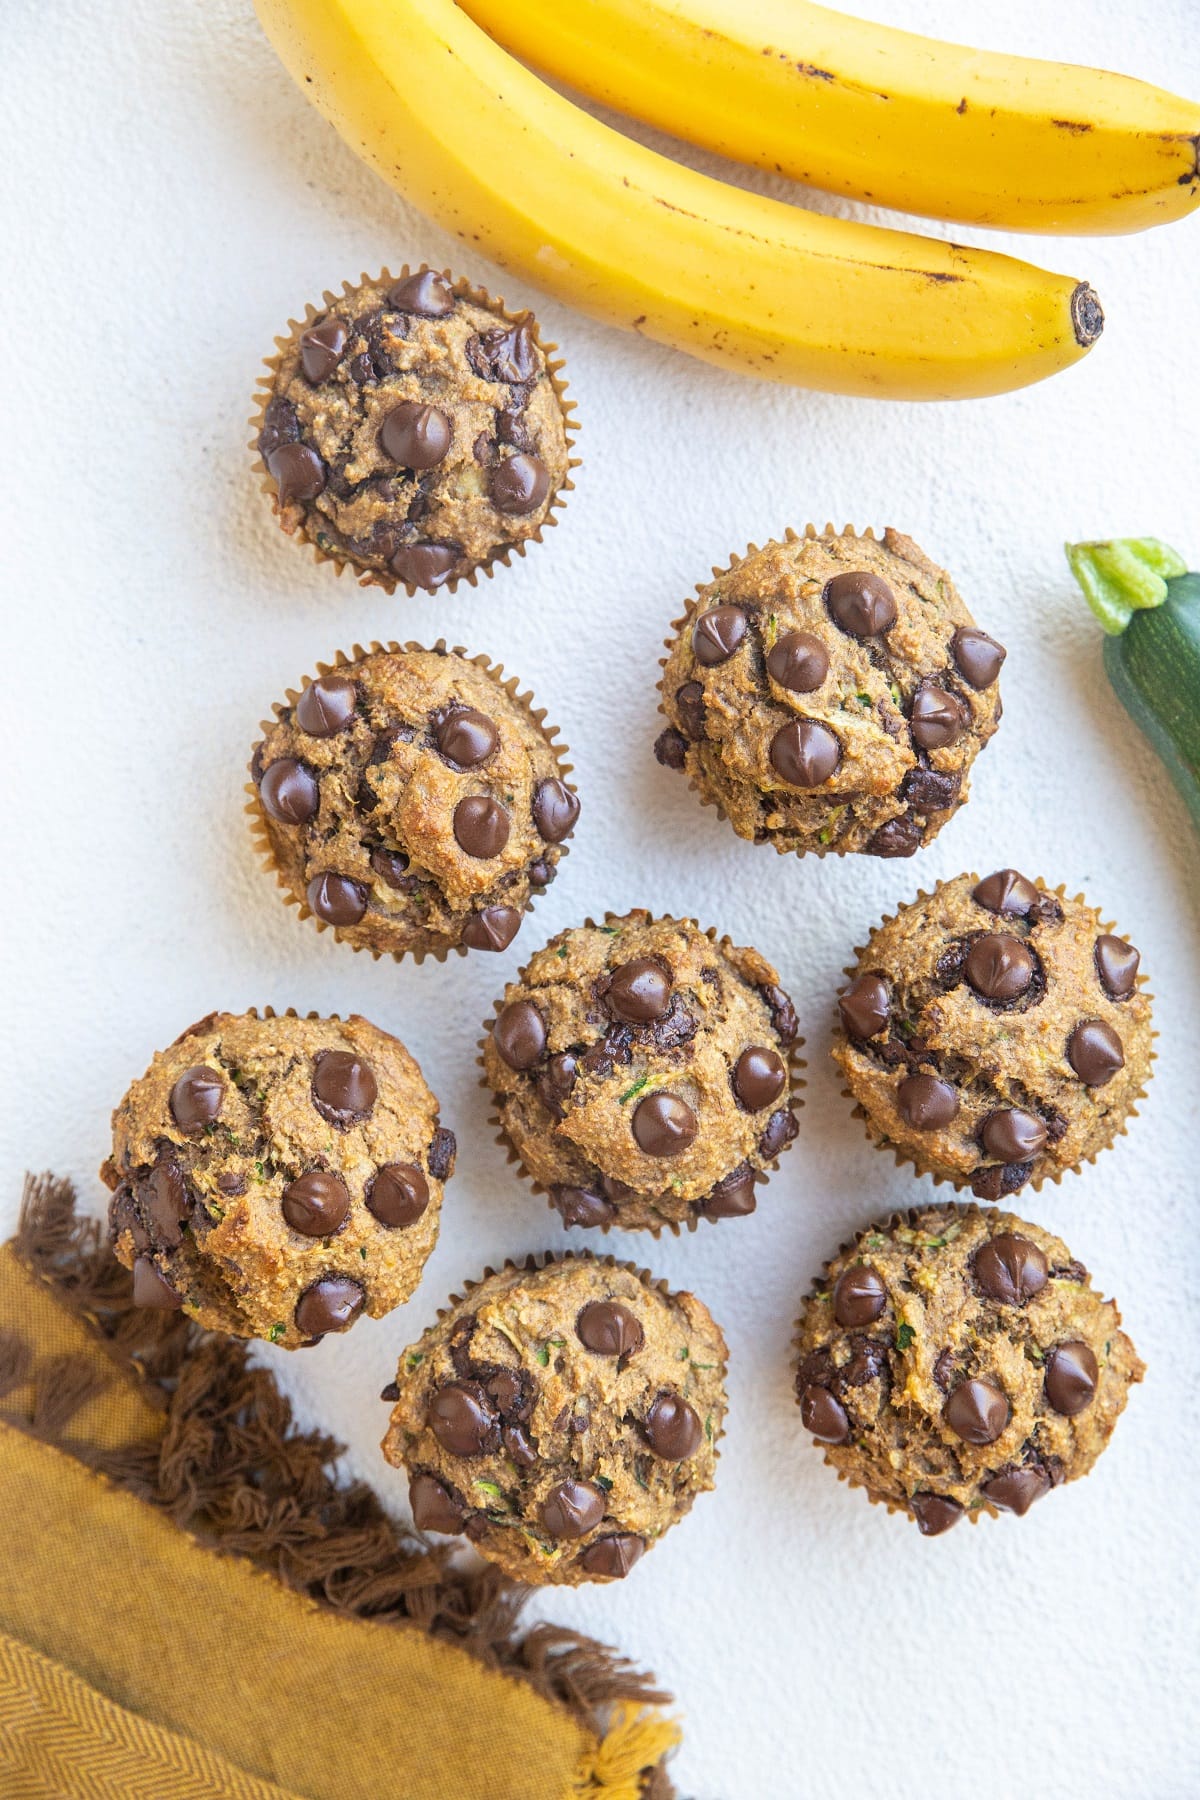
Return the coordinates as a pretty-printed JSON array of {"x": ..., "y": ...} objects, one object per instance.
[
  {"x": 411, "y": 800},
  {"x": 415, "y": 430},
  {"x": 643, "y": 1072},
  {"x": 563, "y": 1416},
  {"x": 276, "y": 1177},
  {"x": 995, "y": 1033},
  {"x": 954, "y": 1362},
  {"x": 830, "y": 693}
]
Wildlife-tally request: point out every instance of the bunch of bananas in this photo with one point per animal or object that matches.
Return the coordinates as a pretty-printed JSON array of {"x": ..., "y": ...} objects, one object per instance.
[{"x": 431, "y": 93}]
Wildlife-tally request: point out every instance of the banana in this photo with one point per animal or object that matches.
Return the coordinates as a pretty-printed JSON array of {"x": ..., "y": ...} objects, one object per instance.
[
  {"x": 881, "y": 115},
  {"x": 521, "y": 175}
]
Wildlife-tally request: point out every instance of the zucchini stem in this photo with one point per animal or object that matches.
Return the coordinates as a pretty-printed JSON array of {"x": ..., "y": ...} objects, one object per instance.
[{"x": 1122, "y": 576}]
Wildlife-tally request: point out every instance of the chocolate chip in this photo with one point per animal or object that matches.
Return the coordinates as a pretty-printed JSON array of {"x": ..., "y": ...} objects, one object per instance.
[
  {"x": 481, "y": 826},
  {"x": 389, "y": 1391},
  {"x": 977, "y": 1411},
  {"x": 670, "y": 748},
  {"x": 152, "y": 1289},
  {"x": 519, "y": 1446},
  {"x": 461, "y": 1418},
  {"x": 861, "y": 603},
  {"x": 859, "y": 1296},
  {"x": 326, "y": 706},
  {"x": 1013, "y": 1135},
  {"x": 612, "y": 1557},
  {"x": 289, "y": 791},
  {"x": 1071, "y": 1377},
  {"x": 733, "y": 1196},
  {"x": 977, "y": 657},
  {"x": 926, "y": 1102},
  {"x": 998, "y": 966},
  {"x": 280, "y": 426},
  {"x": 930, "y": 790},
  {"x": 717, "y": 634},
  {"x": 781, "y": 1129},
  {"x": 824, "y": 1415},
  {"x": 425, "y": 565},
  {"x": 689, "y": 700},
  {"x": 426, "y": 292},
  {"x": 581, "y": 1206},
  {"x": 1116, "y": 965},
  {"x": 505, "y": 354},
  {"x": 673, "y": 1429},
  {"x": 331, "y": 1304},
  {"x": 556, "y": 1080},
  {"x": 316, "y": 1203},
  {"x": 434, "y": 1507},
  {"x": 443, "y": 1149},
  {"x": 1001, "y": 1179},
  {"x": 541, "y": 873},
  {"x": 805, "y": 753},
  {"x": 572, "y": 1509},
  {"x": 798, "y": 661},
  {"x": 298, "y": 473},
  {"x": 865, "y": 1007},
  {"x": 759, "y": 1077},
  {"x": 1006, "y": 891},
  {"x": 321, "y": 348},
  {"x": 640, "y": 991},
  {"x": 1015, "y": 1490},
  {"x": 1010, "y": 1269},
  {"x": 935, "y": 1513},
  {"x": 519, "y": 1034},
  {"x": 336, "y": 899},
  {"x": 398, "y": 1195},
  {"x": 168, "y": 1205},
  {"x": 466, "y": 737},
  {"x": 783, "y": 1013},
  {"x": 555, "y": 810},
  {"x": 492, "y": 928},
  {"x": 344, "y": 1087},
  {"x": 1095, "y": 1052},
  {"x": 415, "y": 436},
  {"x": 519, "y": 484},
  {"x": 197, "y": 1097},
  {"x": 938, "y": 718},
  {"x": 230, "y": 1181},
  {"x": 392, "y": 867},
  {"x": 899, "y": 837},
  {"x": 664, "y": 1125},
  {"x": 609, "y": 1329}
]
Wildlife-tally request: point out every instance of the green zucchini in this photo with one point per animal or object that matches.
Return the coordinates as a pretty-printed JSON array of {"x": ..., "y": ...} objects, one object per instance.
[{"x": 1148, "y": 602}]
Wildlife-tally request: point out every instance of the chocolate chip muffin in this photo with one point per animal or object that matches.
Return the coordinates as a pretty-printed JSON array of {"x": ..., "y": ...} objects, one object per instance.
[
  {"x": 415, "y": 430},
  {"x": 412, "y": 800},
  {"x": 564, "y": 1416},
  {"x": 955, "y": 1362},
  {"x": 276, "y": 1177},
  {"x": 995, "y": 1033},
  {"x": 645, "y": 1072},
  {"x": 830, "y": 693}
]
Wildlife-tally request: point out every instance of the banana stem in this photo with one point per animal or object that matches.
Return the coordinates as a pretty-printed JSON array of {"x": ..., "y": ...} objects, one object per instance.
[{"x": 1121, "y": 576}]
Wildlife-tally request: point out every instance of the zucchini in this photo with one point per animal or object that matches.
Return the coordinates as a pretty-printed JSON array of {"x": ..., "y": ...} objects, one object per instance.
[{"x": 1148, "y": 602}]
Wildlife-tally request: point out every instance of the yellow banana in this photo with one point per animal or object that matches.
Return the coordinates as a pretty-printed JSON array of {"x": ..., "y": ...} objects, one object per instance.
[
  {"x": 882, "y": 115},
  {"x": 526, "y": 178}
]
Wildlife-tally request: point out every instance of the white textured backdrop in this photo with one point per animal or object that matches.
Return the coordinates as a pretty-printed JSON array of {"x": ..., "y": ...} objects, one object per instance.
[{"x": 169, "y": 200}]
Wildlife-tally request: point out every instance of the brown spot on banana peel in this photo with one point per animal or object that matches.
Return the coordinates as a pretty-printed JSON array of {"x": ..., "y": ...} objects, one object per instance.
[
  {"x": 1076, "y": 125},
  {"x": 1087, "y": 315}
]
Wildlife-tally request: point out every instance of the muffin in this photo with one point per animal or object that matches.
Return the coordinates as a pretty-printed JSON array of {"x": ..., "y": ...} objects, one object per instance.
[
  {"x": 276, "y": 1177},
  {"x": 413, "y": 429},
  {"x": 412, "y": 800},
  {"x": 951, "y": 1361},
  {"x": 564, "y": 1416},
  {"x": 995, "y": 1033},
  {"x": 644, "y": 1073},
  {"x": 830, "y": 693}
]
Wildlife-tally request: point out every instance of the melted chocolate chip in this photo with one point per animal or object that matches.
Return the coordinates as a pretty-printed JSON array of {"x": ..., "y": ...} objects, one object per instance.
[
  {"x": 1015, "y": 1490},
  {"x": 572, "y": 1509},
  {"x": 197, "y": 1097},
  {"x": 935, "y": 1513},
  {"x": 733, "y": 1196},
  {"x": 640, "y": 991},
  {"x": 1006, "y": 891},
  {"x": 670, "y": 748},
  {"x": 781, "y": 1129},
  {"x": 689, "y": 700},
  {"x": 392, "y": 866},
  {"x": 519, "y": 1446},
  {"x": 492, "y": 928},
  {"x": 168, "y": 1204},
  {"x": 860, "y": 603},
  {"x": 1013, "y": 1135},
  {"x": 434, "y": 1508},
  {"x": 556, "y": 1080},
  {"x": 461, "y": 1418},
  {"x": 331, "y": 1304},
  {"x": 664, "y": 1125},
  {"x": 717, "y": 634},
  {"x": 899, "y": 837},
  {"x": 321, "y": 348},
  {"x": 298, "y": 473},
  {"x": 443, "y": 1148},
  {"x": 481, "y": 826},
  {"x": 289, "y": 791},
  {"x": 673, "y": 1429},
  {"x": 783, "y": 1013},
  {"x": 519, "y": 484},
  {"x": 823, "y": 1415},
  {"x": 280, "y": 426},
  {"x": 938, "y": 717},
  {"x": 759, "y": 1077},
  {"x": 425, "y": 565},
  {"x": 805, "y": 753},
  {"x": 865, "y": 1007},
  {"x": 926, "y": 1102},
  {"x": 152, "y": 1289},
  {"x": 859, "y": 1296},
  {"x": 612, "y": 1557},
  {"x": 1117, "y": 966},
  {"x": 609, "y": 1329},
  {"x": 1010, "y": 1269},
  {"x": 929, "y": 790},
  {"x": 506, "y": 354},
  {"x": 977, "y": 657},
  {"x": 398, "y": 1195},
  {"x": 977, "y": 1411},
  {"x": 1095, "y": 1052},
  {"x": 582, "y": 1206},
  {"x": 1072, "y": 1374},
  {"x": 466, "y": 737},
  {"x": 344, "y": 1087},
  {"x": 326, "y": 706},
  {"x": 336, "y": 898},
  {"x": 415, "y": 436},
  {"x": 426, "y": 292},
  {"x": 998, "y": 966},
  {"x": 519, "y": 1034},
  {"x": 1001, "y": 1179},
  {"x": 798, "y": 661},
  {"x": 316, "y": 1203},
  {"x": 555, "y": 810}
]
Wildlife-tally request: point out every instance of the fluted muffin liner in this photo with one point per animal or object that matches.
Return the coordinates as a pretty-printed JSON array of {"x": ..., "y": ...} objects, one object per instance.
[
  {"x": 510, "y": 685},
  {"x": 462, "y": 290},
  {"x": 1038, "y": 1180},
  {"x": 796, "y": 1064},
  {"x": 899, "y": 1216},
  {"x": 692, "y": 608}
]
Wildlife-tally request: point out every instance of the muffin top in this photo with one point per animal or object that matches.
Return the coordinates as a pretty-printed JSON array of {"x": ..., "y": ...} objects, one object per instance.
[
  {"x": 641, "y": 1070},
  {"x": 276, "y": 1177},
  {"x": 995, "y": 1032},
  {"x": 413, "y": 430},
  {"x": 564, "y": 1417},
  {"x": 953, "y": 1361},
  {"x": 830, "y": 693},
  {"x": 412, "y": 801}
]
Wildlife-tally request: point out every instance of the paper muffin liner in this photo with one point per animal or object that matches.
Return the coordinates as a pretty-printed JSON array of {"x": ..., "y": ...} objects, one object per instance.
[
  {"x": 1040, "y": 1177},
  {"x": 796, "y": 1064},
  {"x": 509, "y": 685},
  {"x": 537, "y": 1260},
  {"x": 463, "y": 290},
  {"x": 687, "y": 617},
  {"x": 901, "y": 1216}
]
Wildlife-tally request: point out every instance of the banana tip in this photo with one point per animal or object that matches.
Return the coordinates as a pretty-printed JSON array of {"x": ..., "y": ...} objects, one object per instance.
[{"x": 1087, "y": 315}]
